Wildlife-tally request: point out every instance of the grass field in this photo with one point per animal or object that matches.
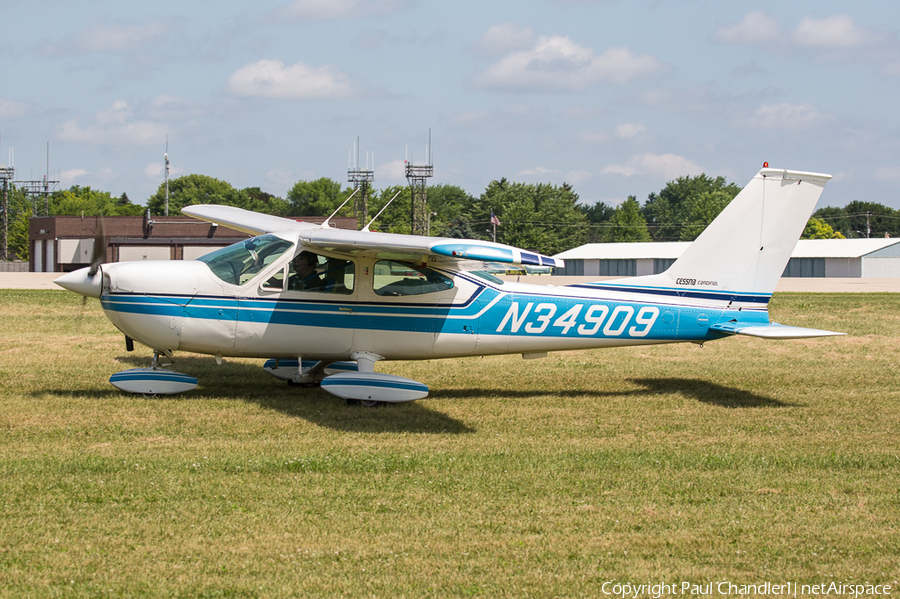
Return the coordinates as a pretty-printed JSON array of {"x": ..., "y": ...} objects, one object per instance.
[{"x": 744, "y": 461}]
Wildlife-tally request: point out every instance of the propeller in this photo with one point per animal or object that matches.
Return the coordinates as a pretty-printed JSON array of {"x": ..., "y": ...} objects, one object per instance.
[
  {"x": 100, "y": 244},
  {"x": 97, "y": 256}
]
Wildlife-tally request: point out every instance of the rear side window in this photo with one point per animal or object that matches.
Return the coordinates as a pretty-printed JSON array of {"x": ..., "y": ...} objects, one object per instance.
[{"x": 398, "y": 278}]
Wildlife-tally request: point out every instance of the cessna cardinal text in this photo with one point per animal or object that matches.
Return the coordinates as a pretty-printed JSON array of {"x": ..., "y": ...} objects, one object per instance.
[{"x": 324, "y": 305}]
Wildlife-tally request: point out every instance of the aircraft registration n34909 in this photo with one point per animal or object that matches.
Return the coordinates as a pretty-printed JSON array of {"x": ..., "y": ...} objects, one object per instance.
[{"x": 323, "y": 305}]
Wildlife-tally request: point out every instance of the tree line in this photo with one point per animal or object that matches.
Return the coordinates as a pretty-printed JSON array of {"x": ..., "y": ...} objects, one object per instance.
[{"x": 536, "y": 216}]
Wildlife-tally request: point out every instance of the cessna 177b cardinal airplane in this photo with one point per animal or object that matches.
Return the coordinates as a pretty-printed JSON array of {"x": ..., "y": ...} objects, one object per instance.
[{"x": 325, "y": 305}]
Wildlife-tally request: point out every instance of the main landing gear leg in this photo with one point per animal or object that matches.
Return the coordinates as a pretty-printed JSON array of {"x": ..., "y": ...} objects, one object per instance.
[
  {"x": 154, "y": 363},
  {"x": 365, "y": 386},
  {"x": 309, "y": 377}
]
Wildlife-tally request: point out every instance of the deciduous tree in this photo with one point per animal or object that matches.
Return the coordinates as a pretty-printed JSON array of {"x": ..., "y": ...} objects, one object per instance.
[
  {"x": 627, "y": 223},
  {"x": 669, "y": 212}
]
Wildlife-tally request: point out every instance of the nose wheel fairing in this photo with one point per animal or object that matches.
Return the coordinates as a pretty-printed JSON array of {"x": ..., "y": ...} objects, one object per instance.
[{"x": 153, "y": 381}]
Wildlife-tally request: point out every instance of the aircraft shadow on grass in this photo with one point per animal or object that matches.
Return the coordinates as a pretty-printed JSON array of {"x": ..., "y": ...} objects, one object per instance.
[
  {"x": 247, "y": 382},
  {"x": 243, "y": 382},
  {"x": 699, "y": 390},
  {"x": 709, "y": 393}
]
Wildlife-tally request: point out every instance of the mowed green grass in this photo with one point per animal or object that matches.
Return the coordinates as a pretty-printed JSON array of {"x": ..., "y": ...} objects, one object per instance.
[{"x": 744, "y": 461}]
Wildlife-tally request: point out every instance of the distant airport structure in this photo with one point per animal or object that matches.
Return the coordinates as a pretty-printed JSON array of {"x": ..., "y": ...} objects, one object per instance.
[
  {"x": 865, "y": 258},
  {"x": 65, "y": 243}
]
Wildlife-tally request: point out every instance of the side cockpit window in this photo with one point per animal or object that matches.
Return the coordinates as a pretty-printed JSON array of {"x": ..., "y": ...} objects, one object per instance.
[
  {"x": 397, "y": 279},
  {"x": 309, "y": 271},
  {"x": 240, "y": 262}
]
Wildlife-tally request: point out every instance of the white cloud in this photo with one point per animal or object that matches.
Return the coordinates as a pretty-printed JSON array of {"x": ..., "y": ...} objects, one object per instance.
[
  {"x": 68, "y": 178},
  {"x": 582, "y": 112},
  {"x": 544, "y": 173},
  {"x": 272, "y": 79},
  {"x": 113, "y": 127},
  {"x": 518, "y": 116},
  {"x": 538, "y": 171},
  {"x": 166, "y": 107},
  {"x": 757, "y": 27},
  {"x": 660, "y": 166},
  {"x": 891, "y": 69},
  {"x": 787, "y": 116},
  {"x": 592, "y": 137},
  {"x": 10, "y": 109},
  {"x": 629, "y": 130},
  {"x": 888, "y": 173},
  {"x": 395, "y": 170},
  {"x": 577, "y": 177},
  {"x": 120, "y": 37},
  {"x": 700, "y": 98},
  {"x": 320, "y": 10},
  {"x": 473, "y": 118},
  {"x": 154, "y": 170},
  {"x": 839, "y": 31},
  {"x": 505, "y": 37},
  {"x": 556, "y": 63},
  {"x": 282, "y": 178}
]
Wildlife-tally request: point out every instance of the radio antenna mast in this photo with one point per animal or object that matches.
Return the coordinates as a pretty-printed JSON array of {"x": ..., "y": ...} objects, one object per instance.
[
  {"x": 167, "y": 175},
  {"x": 418, "y": 179},
  {"x": 361, "y": 178}
]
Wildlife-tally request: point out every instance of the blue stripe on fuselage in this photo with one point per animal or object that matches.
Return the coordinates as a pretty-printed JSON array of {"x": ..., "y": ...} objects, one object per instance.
[
  {"x": 732, "y": 296},
  {"x": 501, "y": 313}
]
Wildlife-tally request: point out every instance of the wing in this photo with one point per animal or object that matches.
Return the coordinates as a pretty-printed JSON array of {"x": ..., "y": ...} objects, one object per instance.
[
  {"x": 406, "y": 247},
  {"x": 246, "y": 221},
  {"x": 773, "y": 330},
  {"x": 416, "y": 246}
]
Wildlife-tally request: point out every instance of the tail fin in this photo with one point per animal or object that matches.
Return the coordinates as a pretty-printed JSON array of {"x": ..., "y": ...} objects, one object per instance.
[{"x": 746, "y": 248}]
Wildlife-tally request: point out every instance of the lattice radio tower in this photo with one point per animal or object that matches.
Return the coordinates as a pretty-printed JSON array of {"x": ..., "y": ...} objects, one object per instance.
[
  {"x": 418, "y": 175},
  {"x": 361, "y": 177},
  {"x": 33, "y": 189},
  {"x": 39, "y": 188},
  {"x": 7, "y": 173}
]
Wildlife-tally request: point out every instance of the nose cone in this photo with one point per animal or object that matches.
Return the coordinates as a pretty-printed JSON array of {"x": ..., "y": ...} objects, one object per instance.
[{"x": 80, "y": 281}]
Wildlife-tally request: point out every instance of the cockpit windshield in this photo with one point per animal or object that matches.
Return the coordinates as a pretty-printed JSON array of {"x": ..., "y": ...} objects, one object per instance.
[{"x": 240, "y": 262}]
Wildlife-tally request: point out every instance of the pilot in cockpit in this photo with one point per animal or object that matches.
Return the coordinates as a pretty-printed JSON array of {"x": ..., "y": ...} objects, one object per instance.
[{"x": 306, "y": 278}]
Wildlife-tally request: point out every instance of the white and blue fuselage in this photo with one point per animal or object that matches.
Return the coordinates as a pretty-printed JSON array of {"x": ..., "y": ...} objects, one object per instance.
[
  {"x": 478, "y": 315},
  {"x": 347, "y": 299}
]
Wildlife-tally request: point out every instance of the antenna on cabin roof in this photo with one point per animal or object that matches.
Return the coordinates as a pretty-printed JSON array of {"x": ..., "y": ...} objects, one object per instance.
[
  {"x": 366, "y": 228},
  {"x": 326, "y": 223}
]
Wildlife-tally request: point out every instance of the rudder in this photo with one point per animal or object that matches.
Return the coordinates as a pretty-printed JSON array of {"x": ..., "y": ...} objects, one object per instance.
[{"x": 747, "y": 247}]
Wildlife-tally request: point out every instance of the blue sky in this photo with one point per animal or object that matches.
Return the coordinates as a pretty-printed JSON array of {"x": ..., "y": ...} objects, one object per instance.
[{"x": 614, "y": 97}]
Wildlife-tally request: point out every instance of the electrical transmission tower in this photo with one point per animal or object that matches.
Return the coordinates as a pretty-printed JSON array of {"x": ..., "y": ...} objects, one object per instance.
[
  {"x": 361, "y": 177},
  {"x": 418, "y": 176}
]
